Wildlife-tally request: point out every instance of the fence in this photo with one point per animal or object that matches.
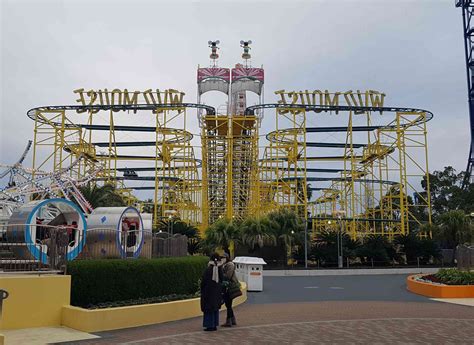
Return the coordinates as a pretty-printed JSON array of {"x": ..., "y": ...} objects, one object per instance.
[
  {"x": 43, "y": 248},
  {"x": 465, "y": 257},
  {"x": 47, "y": 248},
  {"x": 166, "y": 245},
  {"x": 350, "y": 263}
]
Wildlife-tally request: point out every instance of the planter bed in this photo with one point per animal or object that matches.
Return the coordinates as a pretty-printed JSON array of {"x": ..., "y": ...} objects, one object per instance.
[
  {"x": 422, "y": 284},
  {"x": 140, "y": 301},
  {"x": 106, "y": 319}
]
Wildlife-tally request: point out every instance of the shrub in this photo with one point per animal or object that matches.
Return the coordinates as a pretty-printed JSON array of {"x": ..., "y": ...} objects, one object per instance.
[
  {"x": 378, "y": 249},
  {"x": 324, "y": 247},
  {"x": 410, "y": 245},
  {"x": 414, "y": 247},
  {"x": 452, "y": 276},
  {"x": 113, "y": 280},
  {"x": 429, "y": 249}
]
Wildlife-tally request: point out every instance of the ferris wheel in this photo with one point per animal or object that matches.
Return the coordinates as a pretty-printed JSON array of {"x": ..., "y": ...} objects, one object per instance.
[{"x": 24, "y": 183}]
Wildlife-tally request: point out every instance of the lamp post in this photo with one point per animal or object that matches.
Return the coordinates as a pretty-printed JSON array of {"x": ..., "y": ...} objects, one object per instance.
[
  {"x": 291, "y": 252},
  {"x": 340, "y": 258},
  {"x": 305, "y": 242},
  {"x": 339, "y": 243},
  {"x": 171, "y": 214}
]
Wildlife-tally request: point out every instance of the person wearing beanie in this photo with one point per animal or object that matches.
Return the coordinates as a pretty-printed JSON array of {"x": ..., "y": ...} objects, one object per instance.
[
  {"x": 211, "y": 293},
  {"x": 232, "y": 289}
]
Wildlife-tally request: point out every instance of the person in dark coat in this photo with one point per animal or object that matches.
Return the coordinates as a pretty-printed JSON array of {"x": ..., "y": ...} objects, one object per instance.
[
  {"x": 211, "y": 293},
  {"x": 228, "y": 271}
]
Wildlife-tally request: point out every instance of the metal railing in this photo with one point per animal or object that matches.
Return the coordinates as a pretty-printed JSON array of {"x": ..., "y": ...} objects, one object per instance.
[
  {"x": 47, "y": 248},
  {"x": 107, "y": 243},
  {"x": 279, "y": 264}
]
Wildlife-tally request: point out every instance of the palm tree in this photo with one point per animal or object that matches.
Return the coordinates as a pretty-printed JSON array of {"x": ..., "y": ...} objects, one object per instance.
[
  {"x": 222, "y": 233},
  {"x": 257, "y": 231},
  {"x": 454, "y": 228},
  {"x": 410, "y": 245},
  {"x": 285, "y": 223},
  {"x": 181, "y": 227},
  {"x": 148, "y": 206},
  {"x": 429, "y": 229},
  {"x": 325, "y": 246},
  {"x": 378, "y": 249},
  {"x": 104, "y": 196}
]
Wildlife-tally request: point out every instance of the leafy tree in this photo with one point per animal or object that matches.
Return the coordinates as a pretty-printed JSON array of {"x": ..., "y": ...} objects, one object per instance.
[
  {"x": 102, "y": 196},
  {"x": 257, "y": 232},
  {"x": 446, "y": 192},
  {"x": 222, "y": 234}
]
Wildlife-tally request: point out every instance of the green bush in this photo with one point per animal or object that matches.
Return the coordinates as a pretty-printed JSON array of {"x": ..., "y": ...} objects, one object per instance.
[
  {"x": 415, "y": 248},
  {"x": 378, "y": 249},
  {"x": 324, "y": 248},
  {"x": 112, "y": 280},
  {"x": 452, "y": 276}
]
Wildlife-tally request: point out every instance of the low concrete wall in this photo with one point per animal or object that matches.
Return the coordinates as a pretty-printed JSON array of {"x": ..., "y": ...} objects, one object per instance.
[
  {"x": 347, "y": 272},
  {"x": 439, "y": 291},
  {"x": 34, "y": 301},
  {"x": 98, "y": 320}
]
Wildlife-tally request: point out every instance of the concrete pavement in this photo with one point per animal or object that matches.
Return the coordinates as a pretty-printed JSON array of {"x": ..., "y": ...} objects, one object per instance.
[{"x": 306, "y": 310}]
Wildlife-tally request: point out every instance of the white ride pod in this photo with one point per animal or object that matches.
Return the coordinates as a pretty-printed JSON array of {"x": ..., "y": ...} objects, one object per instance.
[
  {"x": 33, "y": 223},
  {"x": 116, "y": 232}
]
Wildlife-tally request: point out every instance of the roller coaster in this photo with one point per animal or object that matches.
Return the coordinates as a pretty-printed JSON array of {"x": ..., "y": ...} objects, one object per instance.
[{"x": 363, "y": 174}]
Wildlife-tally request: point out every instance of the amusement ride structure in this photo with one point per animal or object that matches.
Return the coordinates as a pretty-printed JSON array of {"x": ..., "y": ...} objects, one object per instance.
[
  {"x": 467, "y": 7},
  {"x": 338, "y": 159}
]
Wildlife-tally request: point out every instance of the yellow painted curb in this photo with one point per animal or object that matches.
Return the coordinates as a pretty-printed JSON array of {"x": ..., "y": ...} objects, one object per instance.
[
  {"x": 106, "y": 319},
  {"x": 439, "y": 291}
]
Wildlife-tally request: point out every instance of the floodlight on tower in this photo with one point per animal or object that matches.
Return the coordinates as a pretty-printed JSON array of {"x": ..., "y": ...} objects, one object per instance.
[
  {"x": 246, "y": 54},
  {"x": 214, "y": 56}
]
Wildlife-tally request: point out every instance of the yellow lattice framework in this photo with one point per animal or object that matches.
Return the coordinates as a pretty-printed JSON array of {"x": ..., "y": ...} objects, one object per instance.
[{"x": 376, "y": 189}]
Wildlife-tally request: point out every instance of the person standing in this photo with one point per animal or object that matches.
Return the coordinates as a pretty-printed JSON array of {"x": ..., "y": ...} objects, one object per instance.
[
  {"x": 211, "y": 293},
  {"x": 62, "y": 242},
  {"x": 232, "y": 289}
]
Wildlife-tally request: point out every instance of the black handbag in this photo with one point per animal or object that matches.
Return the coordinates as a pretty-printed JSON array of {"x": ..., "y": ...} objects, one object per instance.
[{"x": 233, "y": 289}]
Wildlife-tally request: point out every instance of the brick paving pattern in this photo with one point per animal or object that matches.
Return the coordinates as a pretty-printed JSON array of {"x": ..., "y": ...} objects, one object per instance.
[
  {"x": 356, "y": 322},
  {"x": 391, "y": 331}
]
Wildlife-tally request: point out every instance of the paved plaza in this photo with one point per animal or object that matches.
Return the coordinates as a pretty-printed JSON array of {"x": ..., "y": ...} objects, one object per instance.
[{"x": 337, "y": 309}]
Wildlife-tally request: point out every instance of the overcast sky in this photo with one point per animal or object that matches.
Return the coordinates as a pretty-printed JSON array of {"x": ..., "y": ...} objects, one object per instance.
[{"x": 411, "y": 50}]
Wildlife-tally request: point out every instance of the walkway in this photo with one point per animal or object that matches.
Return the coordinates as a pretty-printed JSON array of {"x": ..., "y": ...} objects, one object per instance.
[{"x": 303, "y": 310}]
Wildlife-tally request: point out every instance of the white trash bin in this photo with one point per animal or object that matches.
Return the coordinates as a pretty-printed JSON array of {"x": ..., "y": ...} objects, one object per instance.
[{"x": 250, "y": 270}]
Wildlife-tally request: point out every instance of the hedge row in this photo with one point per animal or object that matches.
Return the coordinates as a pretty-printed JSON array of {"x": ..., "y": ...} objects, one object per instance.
[
  {"x": 111, "y": 280},
  {"x": 453, "y": 276}
]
